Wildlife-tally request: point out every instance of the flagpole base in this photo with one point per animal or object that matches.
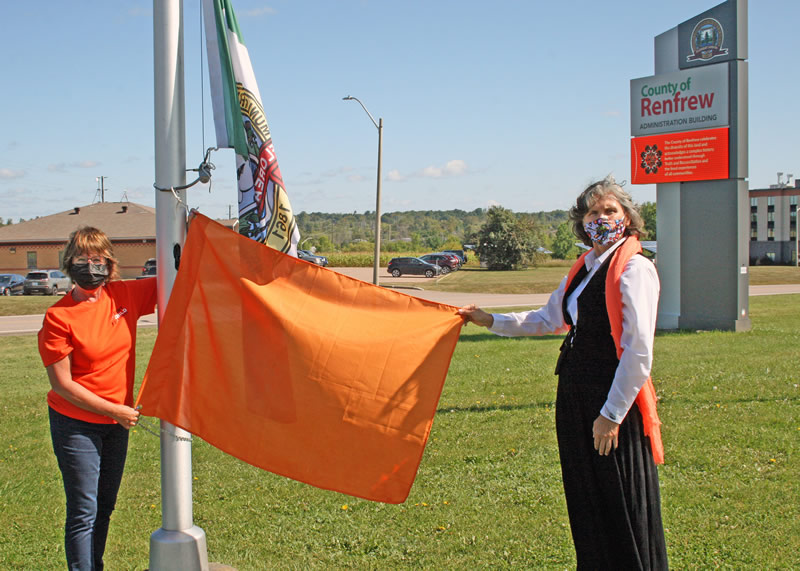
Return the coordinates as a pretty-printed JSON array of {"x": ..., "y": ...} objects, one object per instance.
[{"x": 183, "y": 550}]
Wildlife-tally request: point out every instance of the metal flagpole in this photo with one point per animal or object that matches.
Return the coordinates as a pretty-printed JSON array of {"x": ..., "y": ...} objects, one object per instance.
[{"x": 178, "y": 545}]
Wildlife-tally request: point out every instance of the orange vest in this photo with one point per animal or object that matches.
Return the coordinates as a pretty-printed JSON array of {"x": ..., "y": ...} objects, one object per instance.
[{"x": 646, "y": 399}]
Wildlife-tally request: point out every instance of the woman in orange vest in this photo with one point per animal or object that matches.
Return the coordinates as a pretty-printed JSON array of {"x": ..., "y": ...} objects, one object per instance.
[
  {"x": 608, "y": 432},
  {"x": 88, "y": 346}
]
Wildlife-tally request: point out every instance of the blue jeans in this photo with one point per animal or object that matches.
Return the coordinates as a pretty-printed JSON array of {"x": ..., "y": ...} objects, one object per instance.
[{"x": 91, "y": 458}]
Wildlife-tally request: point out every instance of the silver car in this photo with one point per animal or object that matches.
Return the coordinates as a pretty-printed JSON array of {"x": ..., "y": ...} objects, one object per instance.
[
  {"x": 313, "y": 258},
  {"x": 47, "y": 282}
]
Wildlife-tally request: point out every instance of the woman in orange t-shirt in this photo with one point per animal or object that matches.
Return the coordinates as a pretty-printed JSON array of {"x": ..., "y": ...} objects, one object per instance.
[{"x": 88, "y": 346}]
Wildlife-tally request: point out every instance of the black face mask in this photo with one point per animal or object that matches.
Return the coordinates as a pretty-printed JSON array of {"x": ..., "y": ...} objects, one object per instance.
[{"x": 89, "y": 276}]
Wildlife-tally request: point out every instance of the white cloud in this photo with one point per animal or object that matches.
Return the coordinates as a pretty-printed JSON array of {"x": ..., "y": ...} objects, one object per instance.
[
  {"x": 456, "y": 167},
  {"x": 395, "y": 176},
  {"x": 431, "y": 172},
  {"x": 85, "y": 164},
  {"x": 8, "y": 174},
  {"x": 491, "y": 203},
  {"x": 256, "y": 12},
  {"x": 356, "y": 178}
]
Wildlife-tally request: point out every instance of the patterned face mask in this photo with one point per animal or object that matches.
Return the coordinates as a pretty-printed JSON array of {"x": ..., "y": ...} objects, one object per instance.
[{"x": 604, "y": 231}]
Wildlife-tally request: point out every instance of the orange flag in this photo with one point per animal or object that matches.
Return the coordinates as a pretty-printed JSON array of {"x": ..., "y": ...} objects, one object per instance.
[{"x": 296, "y": 369}]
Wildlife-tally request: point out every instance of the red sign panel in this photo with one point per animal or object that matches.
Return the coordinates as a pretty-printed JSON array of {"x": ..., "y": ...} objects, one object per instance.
[{"x": 680, "y": 157}]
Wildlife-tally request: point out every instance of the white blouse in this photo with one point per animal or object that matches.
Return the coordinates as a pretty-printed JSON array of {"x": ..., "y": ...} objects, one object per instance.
[{"x": 640, "y": 287}]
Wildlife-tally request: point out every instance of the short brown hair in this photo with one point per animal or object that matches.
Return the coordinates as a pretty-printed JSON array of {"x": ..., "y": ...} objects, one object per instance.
[
  {"x": 595, "y": 191},
  {"x": 88, "y": 239}
]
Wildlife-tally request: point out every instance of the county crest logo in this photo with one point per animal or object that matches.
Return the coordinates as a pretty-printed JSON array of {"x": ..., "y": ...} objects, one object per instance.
[{"x": 706, "y": 40}]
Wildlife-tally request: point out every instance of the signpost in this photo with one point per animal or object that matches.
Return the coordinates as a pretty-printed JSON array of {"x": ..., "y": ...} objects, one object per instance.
[{"x": 689, "y": 136}]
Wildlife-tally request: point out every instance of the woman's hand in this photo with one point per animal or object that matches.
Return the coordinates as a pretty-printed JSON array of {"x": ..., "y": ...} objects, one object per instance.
[
  {"x": 606, "y": 435},
  {"x": 125, "y": 416},
  {"x": 476, "y": 315},
  {"x": 60, "y": 375}
]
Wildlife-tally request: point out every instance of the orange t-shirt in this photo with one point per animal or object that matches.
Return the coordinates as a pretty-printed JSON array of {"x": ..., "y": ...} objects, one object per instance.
[{"x": 101, "y": 336}]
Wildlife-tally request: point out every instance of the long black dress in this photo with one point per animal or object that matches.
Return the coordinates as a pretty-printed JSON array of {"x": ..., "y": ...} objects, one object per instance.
[{"x": 613, "y": 501}]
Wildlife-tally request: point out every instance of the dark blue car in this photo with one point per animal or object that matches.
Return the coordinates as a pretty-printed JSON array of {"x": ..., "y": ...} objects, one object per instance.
[{"x": 11, "y": 284}]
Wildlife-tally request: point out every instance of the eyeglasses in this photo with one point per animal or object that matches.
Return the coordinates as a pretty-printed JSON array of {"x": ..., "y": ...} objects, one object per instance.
[{"x": 96, "y": 260}]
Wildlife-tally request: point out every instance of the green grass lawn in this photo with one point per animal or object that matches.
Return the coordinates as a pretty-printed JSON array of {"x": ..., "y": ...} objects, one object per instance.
[
  {"x": 476, "y": 280},
  {"x": 488, "y": 493},
  {"x": 26, "y": 304},
  {"x": 767, "y": 275},
  {"x": 545, "y": 278}
]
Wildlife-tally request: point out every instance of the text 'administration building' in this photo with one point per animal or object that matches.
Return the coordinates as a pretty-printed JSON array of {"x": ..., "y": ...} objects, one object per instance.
[
  {"x": 773, "y": 223},
  {"x": 39, "y": 243}
]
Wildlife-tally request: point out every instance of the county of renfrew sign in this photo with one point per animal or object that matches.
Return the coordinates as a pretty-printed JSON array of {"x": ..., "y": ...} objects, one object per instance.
[{"x": 681, "y": 101}]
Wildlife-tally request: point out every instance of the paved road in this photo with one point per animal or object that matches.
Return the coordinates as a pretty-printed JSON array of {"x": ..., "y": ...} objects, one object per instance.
[
  {"x": 29, "y": 324},
  {"x": 410, "y": 285}
]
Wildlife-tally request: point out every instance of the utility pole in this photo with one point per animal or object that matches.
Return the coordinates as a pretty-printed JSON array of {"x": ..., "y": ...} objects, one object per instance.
[{"x": 101, "y": 187}]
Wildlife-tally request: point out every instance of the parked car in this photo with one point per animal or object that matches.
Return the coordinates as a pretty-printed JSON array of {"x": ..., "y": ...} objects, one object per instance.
[
  {"x": 462, "y": 255},
  {"x": 149, "y": 268},
  {"x": 455, "y": 258},
  {"x": 147, "y": 272},
  {"x": 11, "y": 284},
  {"x": 313, "y": 258},
  {"x": 447, "y": 262},
  {"x": 415, "y": 266},
  {"x": 48, "y": 282}
]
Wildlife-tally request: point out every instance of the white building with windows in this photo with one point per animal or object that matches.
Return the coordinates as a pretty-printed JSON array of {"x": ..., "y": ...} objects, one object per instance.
[{"x": 773, "y": 223}]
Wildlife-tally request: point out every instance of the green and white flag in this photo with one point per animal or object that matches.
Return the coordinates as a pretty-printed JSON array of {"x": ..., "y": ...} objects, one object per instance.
[{"x": 265, "y": 214}]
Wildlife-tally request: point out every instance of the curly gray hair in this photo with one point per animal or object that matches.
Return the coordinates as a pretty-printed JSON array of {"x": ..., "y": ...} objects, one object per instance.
[{"x": 595, "y": 191}]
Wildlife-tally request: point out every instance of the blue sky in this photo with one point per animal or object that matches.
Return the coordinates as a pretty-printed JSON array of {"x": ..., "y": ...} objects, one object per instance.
[{"x": 518, "y": 103}]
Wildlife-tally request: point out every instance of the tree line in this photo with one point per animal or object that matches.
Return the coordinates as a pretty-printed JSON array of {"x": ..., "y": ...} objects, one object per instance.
[{"x": 504, "y": 238}]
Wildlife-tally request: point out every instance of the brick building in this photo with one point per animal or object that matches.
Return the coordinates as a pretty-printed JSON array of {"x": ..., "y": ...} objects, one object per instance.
[
  {"x": 39, "y": 243},
  {"x": 773, "y": 223}
]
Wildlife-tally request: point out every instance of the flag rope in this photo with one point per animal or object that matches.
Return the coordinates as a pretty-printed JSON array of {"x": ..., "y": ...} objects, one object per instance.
[
  {"x": 202, "y": 86},
  {"x": 158, "y": 432}
]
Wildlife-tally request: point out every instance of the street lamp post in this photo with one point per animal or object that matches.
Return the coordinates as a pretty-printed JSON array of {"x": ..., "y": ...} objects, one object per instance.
[{"x": 379, "y": 125}]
